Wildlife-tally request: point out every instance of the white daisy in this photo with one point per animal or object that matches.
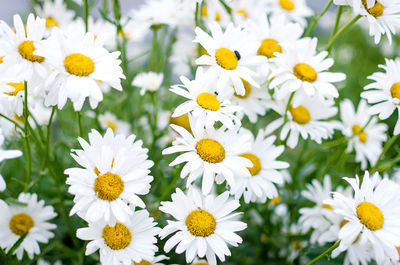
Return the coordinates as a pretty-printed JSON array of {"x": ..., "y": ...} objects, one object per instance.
[
  {"x": 210, "y": 152},
  {"x": 206, "y": 105},
  {"x": 4, "y": 155},
  {"x": 230, "y": 54},
  {"x": 56, "y": 14},
  {"x": 30, "y": 217},
  {"x": 12, "y": 97},
  {"x": 20, "y": 46},
  {"x": 247, "y": 10},
  {"x": 204, "y": 225},
  {"x": 308, "y": 119},
  {"x": 357, "y": 4},
  {"x": 295, "y": 10},
  {"x": 80, "y": 64},
  {"x": 148, "y": 81},
  {"x": 385, "y": 91},
  {"x": 122, "y": 242},
  {"x": 154, "y": 261},
  {"x": 365, "y": 138},
  {"x": 109, "y": 120},
  {"x": 264, "y": 172},
  {"x": 372, "y": 214},
  {"x": 115, "y": 171},
  {"x": 300, "y": 67}
]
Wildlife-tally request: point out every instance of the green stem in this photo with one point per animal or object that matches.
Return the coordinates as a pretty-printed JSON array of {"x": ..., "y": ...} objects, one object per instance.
[
  {"x": 315, "y": 20},
  {"x": 337, "y": 22},
  {"x": 13, "y": 122},
  {"x": 325, "y": 253},
  {"x": 227, "y": 7},
  {"x": 196, "y": 14},
  {"x": 385, "y": 149},
  {"x": 105, "y": 6},
  {"x": 153, "y": 49},
  {"x": 86, "y": 11},
  {"x": 340, "y": 32},
  {"x": 26, "y": 137},
  {"x": 78, "y": 114},
  {"x": 287, "y": 107},
  {"x": 121, "y": 35}
]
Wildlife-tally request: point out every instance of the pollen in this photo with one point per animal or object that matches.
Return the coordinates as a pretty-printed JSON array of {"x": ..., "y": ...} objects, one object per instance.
[
  {"x": 256, "y": 168},
  {"x": 51, "y": 22},
  {"x": 287, "y": 4},
  {"x": 268, "y": 47},
  {"x": 143, "y": 262},
  {"x": 182, "y": 121},
  {"x": 17, "y": 88},
  {"x": 376, "y": 10},
  {"x": 112, "y": 125},
  {"x": 247, "y": 88},
  {"x": 78, "y": 64},
  {"x": 108, "y": 186},
  {"x": 201, "y": 223},
  {"x": 21, "y": 223},
  {"x": 226, "y": 58},
  {"x": 117, "y": 237},
  {"x": 300, "y": 115},
  {"x": 362, "y": 136},
  {"x": 242, "y": 12},
  {"x": 208, "y": 101},
  {"x": 304, "y": 72},
  {"x": 210, "y": 151},
  {"x": 327, "y": 206},
  {"x": 395, "y": 90},
  {"x": 26, "y": 50},
  {"x": 370, "y": 216}
]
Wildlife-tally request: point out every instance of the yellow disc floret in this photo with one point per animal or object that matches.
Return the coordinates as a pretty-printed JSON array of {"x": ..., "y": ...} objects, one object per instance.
[
  {"x": 78, "y": 64},
  {"x": 117, "y": 237},
  {"x": 17, "y": 88},
  {"x": 51, "y": 22},
  {"x": 327, "y": 206},
  {"x": 395, "y": 90},
  {"x": 300, "y": 115},
  {"x": 109, "y": 186},
  {"x": 201, "y": 263},
  {"x": 362, "y": 136},
  {"x": 247, "y": 88},
  {"x": 210, "y": 151},
  {"x": 304, "y": 72},
  {"x": 242, "y": 12},
  {"x": 287, "y": 4},
  {"x": 208, "y": 101},
  {"x": 143, "y": 262},
  {"x": 268, "y": 47},
  {"x": 256, "y": 168},
  {"x": 182, "y": 121},
  {"x": 226, "y": 58},
  {"x": 26, "y": 50},
  {"x": 21, "y": 223},
  {"x": 1, "y": 59},
  {"x": 112, "y": 125},
  {"x": 201, "y": 223},
  {"x": 370, "y": 216},
  {"x": 376, "y": 10}
]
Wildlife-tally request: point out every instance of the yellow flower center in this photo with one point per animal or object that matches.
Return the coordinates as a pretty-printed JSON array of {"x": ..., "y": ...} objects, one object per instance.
[
  {"x": 276, "y": 200},
  {"x": 108, "y": 186},
  {"x": 17, "y": 88},
  {"x": 226, "y": 58},
  {"x": 204, "y": 11},
  {"x": 297, "y": 244},
  {"x": 370, "y": 216},
  {"x": 117, "y": 237},
  {"x": 201, "y": 263},
  {"x": 21, "y": 223},
  {"x": 395, "y": 90},
  {"x": 78, "y": 64},
  {"x": 26, "y": 50},
  {"x": 19, "y": 118},
  {"x": 1, "y": 59},
  {"x": 247, "y": 88},
  {"x": 143, "y": 262},
  {"x": 362, "y": 136},
  {"x": 208, "y": 101},
  {"x": 210, "y": 151},
  {"x": 182, "y": 121},
  {"x": 301, "y": 115},
  {"x": 327, "y": 206},
  {"x": 287, "y": 4},
  {"x": 304, "y": 72},
  {"x": 51, "y": 22},
  {"x": 255, "y": 169},
  {"x": 200, "y": 223},
  {"x": 217, "y": 16},
  {"x": 112, "y": 125},
  {"x": 343, "y": 223},
  {"x": 398, "y": 251},
  {"x": 269, "y": 47},
  {"x": 376, "y": 10},
  {"x": 242, "y": 12}
]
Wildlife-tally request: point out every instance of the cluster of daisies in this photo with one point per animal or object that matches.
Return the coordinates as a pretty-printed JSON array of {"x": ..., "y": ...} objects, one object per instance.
[{"x": 243, "y": 64}]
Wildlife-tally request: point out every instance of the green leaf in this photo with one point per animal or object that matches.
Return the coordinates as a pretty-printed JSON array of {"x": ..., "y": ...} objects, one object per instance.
[{"x": 17, "y": 244}]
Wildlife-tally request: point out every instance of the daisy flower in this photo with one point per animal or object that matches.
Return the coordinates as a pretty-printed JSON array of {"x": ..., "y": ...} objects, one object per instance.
[
  {"x": 148, "y": 82},
  {"x": 12, "y": 97},
  {"x": 31, "y": 218},
  {"x": 300, "y": 67},
  {"x": 385, "y": 91},
  {"x": 154, "y": 261},
  {"x": 210, "y": 152},
  {"x": 19, "y": 46},
  {"x": 247, "y": 10},
  {"x": 4, "y": 155},
  {"x": 264, "y": 172},
  {"x": 230, "y": 56},
  {"x": 366, "y": 135},
  {"x": 308, "y": 119},
  {"x": 372, "y": 215},
  {"x": 122, "y": 242},
  {"x": 295, "y": 10},
  {"x": 55, "y": 13},
  {"x": 205, "y": 104},
  {"x": 115, "y": 171},
  {"x": 109, "y": 120},
  {"x": 204, "y": 225},
  {"x": 213, "y": 12},
  {"x": 80, "y": 64}
]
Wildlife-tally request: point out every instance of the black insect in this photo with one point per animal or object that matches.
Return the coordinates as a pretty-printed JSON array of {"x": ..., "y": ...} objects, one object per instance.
[
  {"x": 237, "y": 55},
  {"x": 216, "y": 93}
]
